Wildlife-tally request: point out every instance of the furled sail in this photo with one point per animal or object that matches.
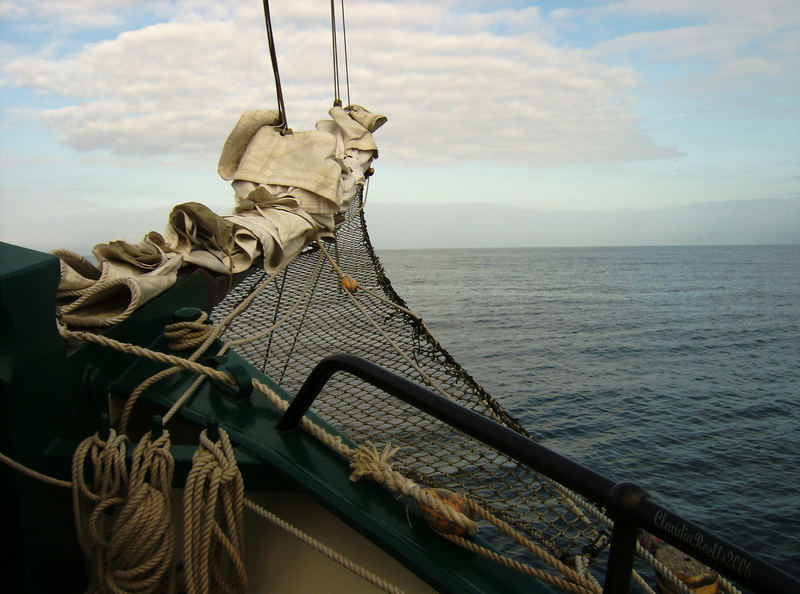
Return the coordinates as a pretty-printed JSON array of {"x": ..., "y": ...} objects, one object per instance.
[{"x": 289, "y": 188}]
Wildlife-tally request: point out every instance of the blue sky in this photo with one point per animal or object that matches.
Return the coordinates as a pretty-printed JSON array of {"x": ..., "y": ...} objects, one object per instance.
[{"x": 644, "y": 113}]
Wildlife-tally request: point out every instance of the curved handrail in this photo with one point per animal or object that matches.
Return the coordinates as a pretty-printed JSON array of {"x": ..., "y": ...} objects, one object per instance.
[{"x": 628, "y": 504}]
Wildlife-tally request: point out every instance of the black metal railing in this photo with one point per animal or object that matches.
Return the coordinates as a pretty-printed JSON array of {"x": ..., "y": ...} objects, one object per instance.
[{"x": 626, "y": 503}]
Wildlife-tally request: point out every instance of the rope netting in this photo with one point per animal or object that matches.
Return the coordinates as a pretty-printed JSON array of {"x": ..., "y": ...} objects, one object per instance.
[{"x": 375, "y": 323}]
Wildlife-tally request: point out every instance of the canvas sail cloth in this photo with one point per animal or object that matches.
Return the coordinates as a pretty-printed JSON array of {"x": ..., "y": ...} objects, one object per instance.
[{"x": 288, "y": 189}]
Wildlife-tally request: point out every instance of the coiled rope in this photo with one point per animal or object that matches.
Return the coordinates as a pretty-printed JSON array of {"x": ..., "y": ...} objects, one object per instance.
[
  {"x": 142, "y": 551},
  {"x": 182, "y": 336},
  {"x": 213, "y": 503},
  {"x": 100, "y": 499}
]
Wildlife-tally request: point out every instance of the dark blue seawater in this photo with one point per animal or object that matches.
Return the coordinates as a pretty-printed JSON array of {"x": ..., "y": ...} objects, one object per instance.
[{"x": 677, "y": 368}]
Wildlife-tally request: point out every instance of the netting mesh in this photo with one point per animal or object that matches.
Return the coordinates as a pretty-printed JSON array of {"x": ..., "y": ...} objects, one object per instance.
[{"x": 323, "y": 320}]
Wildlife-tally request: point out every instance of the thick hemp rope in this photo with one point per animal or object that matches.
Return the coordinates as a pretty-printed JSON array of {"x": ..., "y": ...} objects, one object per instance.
[
  {"x": 133, "y": 349},
  {"x": 100, "y": 499},
  {"x": 348, "y": 564},
  {"x": 368, "y": 462},
  {"x": 30, "y": 472},
  {"x": 213, "y": 501},
  {"x": 140, "y": 558},
  {"x": 182, "y": 336}
]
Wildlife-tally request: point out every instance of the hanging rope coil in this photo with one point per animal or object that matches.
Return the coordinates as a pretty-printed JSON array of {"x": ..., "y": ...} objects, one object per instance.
[
  {"x": 97, "y": 502},
  {"x": 141, "y": 556},
  {"x": 213, "y": 520}
]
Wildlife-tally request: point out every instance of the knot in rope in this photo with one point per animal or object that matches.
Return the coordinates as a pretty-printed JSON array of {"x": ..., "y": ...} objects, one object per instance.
[
  {"x": 182, "y": 336},
  {"x": 367, "y": 461},
  {"x": 213, "y": 519}
]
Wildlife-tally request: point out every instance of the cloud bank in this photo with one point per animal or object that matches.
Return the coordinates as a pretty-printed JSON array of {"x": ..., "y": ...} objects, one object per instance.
[
  {"x": 459, "y": 84},
  {"x": 740, "y": 222}
]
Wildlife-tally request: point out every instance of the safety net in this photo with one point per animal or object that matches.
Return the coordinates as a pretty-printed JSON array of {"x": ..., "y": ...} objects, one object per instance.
[{"x": 311, "y": 314}]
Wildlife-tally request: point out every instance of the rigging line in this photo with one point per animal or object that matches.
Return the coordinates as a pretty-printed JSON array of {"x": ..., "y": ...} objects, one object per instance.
[
  {"x": 336, "y": 99},
  {"x": 273, "y": 57},
  {"x": 346, "y": 66},
  {"x": 279, "y": 290}
]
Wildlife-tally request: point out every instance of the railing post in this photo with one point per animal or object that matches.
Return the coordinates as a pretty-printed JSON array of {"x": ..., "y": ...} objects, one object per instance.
[{"x": 622, "y": 500}]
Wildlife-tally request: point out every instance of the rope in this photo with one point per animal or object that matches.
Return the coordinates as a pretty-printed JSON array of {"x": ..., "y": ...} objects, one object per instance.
[
  {"x": 213, "y": 502},
  {"x": 182, "y": 336},
  {"x": 540, "y": 552},
  {"x": 391, "y": 303},
  {"x": 140, "y": 556},
  {"x": 210, "y": 336},
  {"x": 642, "y": 584},
  {"x": 360, "y": 571},
  {"x": 582, "y": 563},
  {"x": 676, "y": 584},
  {"x": 33, "y": 473},
  {"x": 132, "y": 349},
  {"x": 100, "y": 499},
  {"x": 521, "y": 567},
  {"x": 332, "y": 441},
  {"x": 366, "y": 461},
  {"x": 728, "y": 587}
]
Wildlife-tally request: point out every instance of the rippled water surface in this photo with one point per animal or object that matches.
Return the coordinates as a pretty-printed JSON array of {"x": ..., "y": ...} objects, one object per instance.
[{"x": 677, "y": 368}]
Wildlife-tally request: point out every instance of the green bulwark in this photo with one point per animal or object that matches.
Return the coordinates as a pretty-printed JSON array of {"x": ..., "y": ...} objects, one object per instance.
[
  {"x": 39, "y": 399},
  {"x": 50, "y": 400}
]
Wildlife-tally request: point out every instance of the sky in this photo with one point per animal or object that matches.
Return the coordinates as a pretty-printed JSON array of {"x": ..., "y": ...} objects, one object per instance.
[{"x": 643, "y": 122}]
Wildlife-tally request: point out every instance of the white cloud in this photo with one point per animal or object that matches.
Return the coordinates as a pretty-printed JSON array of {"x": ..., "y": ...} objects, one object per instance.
[
  {"x": 178, "y": 86},
  {"x": 79, "y": 14},
  {"x": 722, "y": 31}
]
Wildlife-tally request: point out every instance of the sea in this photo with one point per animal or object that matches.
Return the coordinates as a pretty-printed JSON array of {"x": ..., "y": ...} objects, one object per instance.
[{"x": 677, "y": 368}]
